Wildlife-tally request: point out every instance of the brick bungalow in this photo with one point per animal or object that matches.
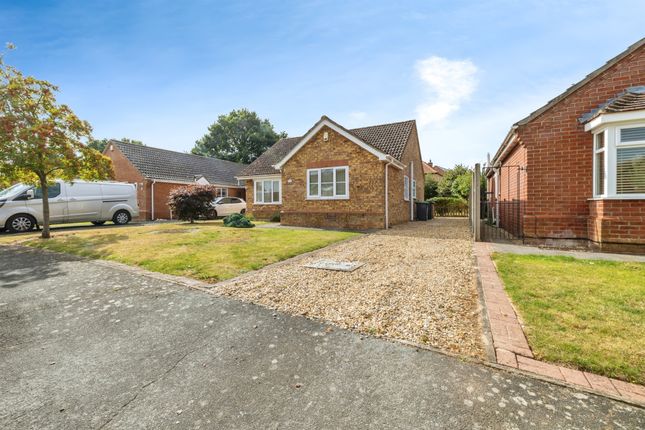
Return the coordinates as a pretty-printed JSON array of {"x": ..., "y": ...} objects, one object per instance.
[
  {"x": 362, "y": 178},
  {"x": 576, "y": 166},
  {"x": 432, "y": 170},
  {"x": 156, "y": 172}
]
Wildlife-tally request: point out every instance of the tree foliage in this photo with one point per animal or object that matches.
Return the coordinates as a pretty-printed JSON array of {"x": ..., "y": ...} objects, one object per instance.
[
  {"x": 41, "y": 140},
  {"x": 455, "y": 182},
  {"x": 239, "y": 136},
  {"x": 100, "y": 144},
  {"x": 430, "y": 187},
  {"x": 192, "y": 201}
]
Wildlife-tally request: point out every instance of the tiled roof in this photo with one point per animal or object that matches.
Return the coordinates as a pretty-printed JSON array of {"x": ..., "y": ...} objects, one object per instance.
[
  {"x": 433, "y": 168},
  {"x": 631, "y": 99},
  {"x": 388, "y": 138},
  {"x": 165, "y": 165}
]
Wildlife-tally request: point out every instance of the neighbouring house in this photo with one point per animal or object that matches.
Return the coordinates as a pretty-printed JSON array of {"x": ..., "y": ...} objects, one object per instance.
[
  {"x": 433, "y": 171},
  {"x": 156, "y": 172},
  {"x": 573, "y": 172},
  {"x": 364, "y": 178}
]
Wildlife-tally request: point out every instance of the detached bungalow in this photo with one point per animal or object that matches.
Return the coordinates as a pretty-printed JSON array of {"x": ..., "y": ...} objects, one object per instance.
[
  {"x": 575, "y": 168},
  {"x": 156, "y": 172},
  {"x": 362, "y": 178}
]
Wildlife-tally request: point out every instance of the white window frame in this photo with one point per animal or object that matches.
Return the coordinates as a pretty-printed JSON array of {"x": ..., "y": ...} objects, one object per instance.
[
  {"x": 334, "y": 196},
  {"x": 406, "y": 188},
  {"x": 262, "y": 181},
  {"x": 414, "y": 189},
  {"x": 597, "y": 151},
  {"x": 221, "y": 192},
  {"x": 612, "y": 144}
]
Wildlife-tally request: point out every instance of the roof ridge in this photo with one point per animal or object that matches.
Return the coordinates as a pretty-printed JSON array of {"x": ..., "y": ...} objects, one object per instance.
[{"x": 175, "y": 152}]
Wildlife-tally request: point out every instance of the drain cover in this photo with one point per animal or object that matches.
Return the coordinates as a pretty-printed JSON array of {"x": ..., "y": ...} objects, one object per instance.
[{"x": 341, "y": 266}]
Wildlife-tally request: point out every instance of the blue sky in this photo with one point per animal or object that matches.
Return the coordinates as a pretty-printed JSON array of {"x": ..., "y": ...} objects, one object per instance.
[{"x": 162, "y": 71}]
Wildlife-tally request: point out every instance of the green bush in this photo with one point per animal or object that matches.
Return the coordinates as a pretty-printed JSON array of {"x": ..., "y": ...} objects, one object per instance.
[
  {"x": 238, "y": 221},
  {"x": 449, "y": 206},
  {"x": 275, "y": 217}
]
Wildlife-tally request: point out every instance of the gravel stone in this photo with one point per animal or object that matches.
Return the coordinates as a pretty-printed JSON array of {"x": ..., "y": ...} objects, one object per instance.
[{"x": 418, "y": 284}]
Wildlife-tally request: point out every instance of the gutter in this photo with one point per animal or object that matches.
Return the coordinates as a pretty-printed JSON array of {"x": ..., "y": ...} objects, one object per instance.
[{"x": 152, "y": 200}]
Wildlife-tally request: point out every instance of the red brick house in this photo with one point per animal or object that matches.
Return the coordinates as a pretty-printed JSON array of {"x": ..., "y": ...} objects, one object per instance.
[
  {"x": 363, "y": 178},
  {"x": 575, "y": 168},
  {"x": 432, "y": 170},
  {"x": 156, "y": 172}
]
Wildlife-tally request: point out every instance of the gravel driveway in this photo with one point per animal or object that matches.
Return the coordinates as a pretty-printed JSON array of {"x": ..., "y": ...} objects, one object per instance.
[{"x": 417, "y": 284}]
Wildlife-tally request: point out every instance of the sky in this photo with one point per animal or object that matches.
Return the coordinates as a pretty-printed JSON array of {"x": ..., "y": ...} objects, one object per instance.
[{"x": 162, "y": 71}]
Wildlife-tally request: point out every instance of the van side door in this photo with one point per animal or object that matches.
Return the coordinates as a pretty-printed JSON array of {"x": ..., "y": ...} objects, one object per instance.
[
  {"x": 84, "y": 201},
  {"x": 57, "y": 203}
]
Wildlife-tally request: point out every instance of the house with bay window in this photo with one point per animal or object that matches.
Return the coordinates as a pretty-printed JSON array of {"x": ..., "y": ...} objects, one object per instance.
[
  {"x": 363, "y": 178},
  {"x": 576, "y": 166}
]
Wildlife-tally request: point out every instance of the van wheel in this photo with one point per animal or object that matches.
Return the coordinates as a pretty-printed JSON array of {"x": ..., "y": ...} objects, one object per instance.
[
  {"x": 121, "y": 217},
  {"x": 98, "y": 222},
  {"x": 20, "y": 223}
]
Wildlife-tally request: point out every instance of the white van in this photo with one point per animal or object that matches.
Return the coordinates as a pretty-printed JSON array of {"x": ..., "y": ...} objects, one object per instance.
[{"x": 21, "y": 206}]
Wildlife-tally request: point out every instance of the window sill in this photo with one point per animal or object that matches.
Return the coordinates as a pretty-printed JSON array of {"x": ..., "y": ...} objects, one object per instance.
[
  {"x": 624, "y": 197},
  {"x": 326, "y": 198}
]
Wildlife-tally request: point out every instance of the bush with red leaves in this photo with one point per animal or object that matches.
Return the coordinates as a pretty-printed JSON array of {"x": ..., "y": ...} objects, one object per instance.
[{"x": 192, "y": 202}]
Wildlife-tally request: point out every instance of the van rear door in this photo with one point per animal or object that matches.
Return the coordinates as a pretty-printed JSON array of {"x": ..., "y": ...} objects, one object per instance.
[{"x": 83, "y": 201}]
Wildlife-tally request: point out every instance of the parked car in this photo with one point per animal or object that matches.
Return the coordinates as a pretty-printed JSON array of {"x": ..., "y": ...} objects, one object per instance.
[
  {"x": 21, "y": 206},
  {"x": 223, "y": 206}
]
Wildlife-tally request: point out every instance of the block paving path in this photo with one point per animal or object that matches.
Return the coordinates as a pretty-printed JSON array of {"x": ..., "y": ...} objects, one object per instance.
[{"x": 512, "y": 348}]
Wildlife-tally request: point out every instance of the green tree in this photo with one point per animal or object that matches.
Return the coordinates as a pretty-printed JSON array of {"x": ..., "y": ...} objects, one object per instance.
[
  {"x": 100, "y": 144},
  {"x": 455, "y": 182},
  {"x": 41, "y": 140},
  {"x": 430, "y": 187},
  {"x": 239, "y": 136}
]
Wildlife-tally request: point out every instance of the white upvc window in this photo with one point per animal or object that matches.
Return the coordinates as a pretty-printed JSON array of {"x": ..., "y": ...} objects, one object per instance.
[
  {"x": 406, "y": 188},
  {"x": 599, "y": 167},
  {"x": 331, "y": 183},
  {"x": 414, "y": 189},
  {"x": 619, "y": 161},
  {"x": 267, "y": 191},
  {"x": 221, "y": 192},
  {"x": 630, "y": 160}
]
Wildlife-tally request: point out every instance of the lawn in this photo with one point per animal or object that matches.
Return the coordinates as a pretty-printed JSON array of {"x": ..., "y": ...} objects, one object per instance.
[
  {"x": 206, "y": 250},
  {"x": 585, "y": 313}
]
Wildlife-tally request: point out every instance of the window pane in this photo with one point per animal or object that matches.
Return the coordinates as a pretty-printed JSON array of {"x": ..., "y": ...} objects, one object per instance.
[
  {"x": 633, "y": 134},
  {"x": 267, "y": 191},
  {"x": 258, "y": 191},
  {"x": 600, "y": 173},
  {"x": 327, "y": 190},
  {"x": 630, "y": 170},
  {"x": 327, "y": 175},
  {"x": 313, "y": 182},
  {"x": 600, "y": 140},
  {"x": 276, "y": 191},
  {"x": 406, "y": 187},
  {"x": 340, "y": 175},
  {"x": 340, "y": 188}
]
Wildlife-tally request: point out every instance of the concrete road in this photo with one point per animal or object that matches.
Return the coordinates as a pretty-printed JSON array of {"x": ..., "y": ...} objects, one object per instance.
[{"x": 88, "y": 346}]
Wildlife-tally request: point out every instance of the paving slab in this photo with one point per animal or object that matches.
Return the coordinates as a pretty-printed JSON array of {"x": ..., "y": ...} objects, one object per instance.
[{"x": 86, "y": 345}]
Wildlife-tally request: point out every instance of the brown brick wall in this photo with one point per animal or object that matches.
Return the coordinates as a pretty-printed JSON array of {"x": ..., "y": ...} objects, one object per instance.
[
  {"x": 399, "y": 208},
  {"x": 124, "y": 171},
  {"x": 259, "y": 211},
  {"x": 559, "y": 163},
  {"x": 363, "y": 209}
]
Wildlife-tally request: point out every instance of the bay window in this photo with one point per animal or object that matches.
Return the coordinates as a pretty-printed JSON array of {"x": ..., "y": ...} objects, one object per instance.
[
  {"x": 328, "y": 183},
  {"x": 267, "y": 191},
  {"x": 619, "y": 161}
]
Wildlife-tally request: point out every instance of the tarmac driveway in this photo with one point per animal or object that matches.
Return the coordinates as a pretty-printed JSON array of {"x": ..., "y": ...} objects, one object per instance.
[{"x": 88, "y": 346}]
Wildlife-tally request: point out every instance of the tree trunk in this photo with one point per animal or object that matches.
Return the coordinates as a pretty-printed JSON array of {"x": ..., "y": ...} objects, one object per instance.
[{"x": 43, "y": 185}]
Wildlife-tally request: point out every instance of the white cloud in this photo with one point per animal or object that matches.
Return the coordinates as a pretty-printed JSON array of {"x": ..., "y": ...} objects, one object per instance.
[{"x": 450, "y": 83}]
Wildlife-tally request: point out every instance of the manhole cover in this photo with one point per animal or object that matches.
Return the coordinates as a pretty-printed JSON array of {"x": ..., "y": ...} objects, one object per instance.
[{"x": 341, "y": 266}]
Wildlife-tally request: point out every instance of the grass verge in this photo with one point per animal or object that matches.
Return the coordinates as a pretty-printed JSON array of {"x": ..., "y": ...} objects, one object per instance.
[
  {"x": 585, "y": 313},
  {"x": 207, "y": 250}
]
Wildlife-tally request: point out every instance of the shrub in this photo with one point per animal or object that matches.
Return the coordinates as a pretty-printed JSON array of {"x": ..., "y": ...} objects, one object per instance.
[
  {"x": 238, "y": 221},
  {"x": 430, "y": 187},
  {"x": 192, "y": 202},
  {"x": 449, "y": 206},
  {"x": 275, "y": 217}
]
